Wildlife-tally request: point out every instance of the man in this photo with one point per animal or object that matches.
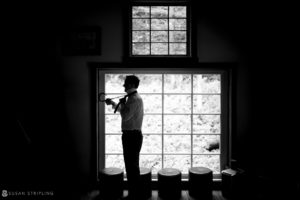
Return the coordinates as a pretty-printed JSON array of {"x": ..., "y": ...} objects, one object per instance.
[{"x": 132, "y": 112}]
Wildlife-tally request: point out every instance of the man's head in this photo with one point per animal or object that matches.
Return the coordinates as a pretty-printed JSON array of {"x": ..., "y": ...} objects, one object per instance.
[{"x": 131, "y": 82}]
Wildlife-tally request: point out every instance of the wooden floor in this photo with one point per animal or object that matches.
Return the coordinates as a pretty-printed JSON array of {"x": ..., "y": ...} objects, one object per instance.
[{"x": 217, "y": 195}]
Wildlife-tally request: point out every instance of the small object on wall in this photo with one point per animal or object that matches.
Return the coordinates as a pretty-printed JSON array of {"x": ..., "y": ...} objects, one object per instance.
[{"x": 81, "y": 41}]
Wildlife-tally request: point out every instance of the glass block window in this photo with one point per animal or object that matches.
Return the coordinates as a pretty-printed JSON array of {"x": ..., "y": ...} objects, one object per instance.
[
  {"x": 182, "y": 121},
  {"x": 159, "y": 31}
]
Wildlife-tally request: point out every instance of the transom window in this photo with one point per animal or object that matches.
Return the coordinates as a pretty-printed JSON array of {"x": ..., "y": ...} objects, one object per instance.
[
  {"x": 182, "y": 124},
  {"x": 159, "y": 30}
]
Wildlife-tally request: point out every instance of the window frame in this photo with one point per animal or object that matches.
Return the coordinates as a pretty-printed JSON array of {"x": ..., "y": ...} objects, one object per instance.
[
  {"x": 190, "y": 32},
  {"x": 226, "y": 113}
]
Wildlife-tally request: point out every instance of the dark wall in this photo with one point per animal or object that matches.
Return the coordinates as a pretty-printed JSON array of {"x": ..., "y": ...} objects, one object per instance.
[{"x": 50, "y": 93}]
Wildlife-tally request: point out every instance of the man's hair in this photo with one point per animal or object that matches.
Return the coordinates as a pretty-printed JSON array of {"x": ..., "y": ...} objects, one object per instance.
[{"x": 132, "y": 79}]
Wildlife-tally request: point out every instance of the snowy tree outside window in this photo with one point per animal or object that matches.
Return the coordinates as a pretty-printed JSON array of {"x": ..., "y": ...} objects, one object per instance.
[{"x": 182, "y": 121}]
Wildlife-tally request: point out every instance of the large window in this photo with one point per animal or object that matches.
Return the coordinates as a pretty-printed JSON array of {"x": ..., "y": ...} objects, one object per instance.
[{"x": 183, "y": 123}]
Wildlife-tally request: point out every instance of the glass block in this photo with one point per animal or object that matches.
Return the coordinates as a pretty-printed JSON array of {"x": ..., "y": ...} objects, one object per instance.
[
  {"x": 153, "y": 162},
  {"x": 152, "y": 124},
  {"x": 206, "y": 124},
  {"x": 177, "y": 124},
  {"x": 140, "y": 12},
  {"x": 159, "y": 36},
  {"x": 159, "y": 24},
  {"x": 209, "y": 104},
  {"x": 178, "y": 49},
  {"x": 177, "y": 83},
  {"x": 114, "y": 83},
  {"x": 152, "y": 144},
  {"x": 159, "y": 11},
  {"x": 205, "y": 144},
  {"x": 115, "y": 161},
  {"x": 177, "y": 144},
  {"x": 140, "y": 48},
  {"x": 207, "y": 83},
  {"x": 177, "y": 36},
  {"x": 177, "y": 104},
  {"x": 140, "y": 36},
  {"x": 177, "y": 24},
  {"x": 159, "y": 48},
  {"x": 140, "y": 24},
  {"x": 150, "y": 83},
  {"x": 113, "y": 124},
  {"x": 210, "y": 161},
  {"x": 181, "y": 162},
  {"x": 113, "y": 144},
  {"x": 152, "y": 103},
  {"x": 177, "y": 12}
]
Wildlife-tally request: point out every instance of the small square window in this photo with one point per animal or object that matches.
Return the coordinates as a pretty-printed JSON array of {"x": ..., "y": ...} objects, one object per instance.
[{"x": 159, "y": 29}]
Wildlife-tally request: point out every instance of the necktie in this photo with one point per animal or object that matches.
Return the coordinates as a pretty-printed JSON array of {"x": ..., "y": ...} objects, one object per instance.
[{"x": 126, "y": 96}]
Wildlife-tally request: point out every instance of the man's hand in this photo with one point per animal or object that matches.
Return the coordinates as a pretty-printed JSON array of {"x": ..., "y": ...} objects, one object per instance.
[
  {"x": 123, "y": 100},
  {"x": 108, "y": 101}
]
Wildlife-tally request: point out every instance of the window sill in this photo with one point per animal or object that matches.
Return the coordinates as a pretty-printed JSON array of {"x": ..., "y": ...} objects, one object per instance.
[{"x": 161, "y": 59}]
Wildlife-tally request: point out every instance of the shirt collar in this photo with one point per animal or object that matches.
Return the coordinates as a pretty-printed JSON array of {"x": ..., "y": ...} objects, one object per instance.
[{"x": 131, "y": 90}]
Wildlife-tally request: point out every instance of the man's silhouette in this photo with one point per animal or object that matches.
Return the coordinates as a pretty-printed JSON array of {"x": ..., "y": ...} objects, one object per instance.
[{"x": 131, "y": 109}]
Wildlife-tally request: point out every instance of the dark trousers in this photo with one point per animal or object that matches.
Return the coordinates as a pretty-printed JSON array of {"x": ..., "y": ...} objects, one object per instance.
[{"x": 132, "y": 144}]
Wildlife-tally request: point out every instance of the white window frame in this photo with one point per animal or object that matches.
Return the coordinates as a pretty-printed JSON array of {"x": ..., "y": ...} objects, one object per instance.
[{"x": 225, "y": 115}]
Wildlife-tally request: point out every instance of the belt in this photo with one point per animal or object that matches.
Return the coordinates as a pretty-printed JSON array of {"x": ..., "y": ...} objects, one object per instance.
[{"x": 131, "y": 130}]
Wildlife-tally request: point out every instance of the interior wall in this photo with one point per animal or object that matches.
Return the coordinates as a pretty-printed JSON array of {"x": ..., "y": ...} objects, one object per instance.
[
  {"x": 214, "y": 46},
  {"x": 50, "y": 77},
  {"x": 51, "y": 92}
]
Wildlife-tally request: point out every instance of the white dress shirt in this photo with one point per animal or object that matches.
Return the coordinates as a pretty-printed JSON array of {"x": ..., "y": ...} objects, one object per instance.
[{"x": 132, "y": 112}]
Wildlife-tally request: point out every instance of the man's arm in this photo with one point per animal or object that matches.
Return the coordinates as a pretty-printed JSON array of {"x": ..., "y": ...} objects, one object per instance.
[{"x": 111, "y": 102}]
